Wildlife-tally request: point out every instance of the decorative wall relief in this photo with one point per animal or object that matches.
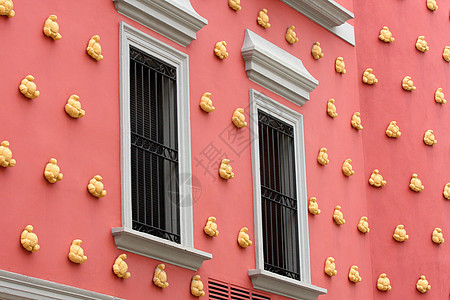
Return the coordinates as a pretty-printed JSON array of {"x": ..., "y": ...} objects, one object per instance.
[
  {"x": 316, "y": 51},
  {"x": 338, "y": 216},
  {"x": 206, "y": 103},
  {"x": 340, "y": 65},
  {"x": 421, "y": 44},
  {"x": 52, "y": 172},
  {"x": 422, "y": 285},
  {"x": 369, "y": 77},
  {"x": 313, "y": 206},
  {"x": 73, "y": 107},
  {"x": 160, "y": 277},
  {"x": 439, "y": 96},
  {"x": 211, "y": 227},
  {"x": 6, "y": 159},
  {"x": 243, "y": 238},
  {"x": 235, "y": 4},
  {"x": 446, "y": 54},
  {"x": 386, "y": 35},
  {"x": 376, "y": 179},
  {"x": 120, "y": 267},
  {"x": 94, "y": 49},
  {"x": 322, "y": 158},
  {"x": 347, "y": 168},
  {"x": 408, "y": 84},
  {"x": 356, "y": 121},
  {"x": 330, "y": 267},
  {"x": 416, "y": 184},
  {"x": 331, "y": 109},
  {"x": 393, "y": 130},
  {"x": 383, "y": 283},
  {"x": 291, "y": 36},
  {"x": 447, "y": 191},
  {"x": 225, "y": 170},
  {"x": 29, "y": 240},
  {"x": 76, "y": 253},
  {"x": 432, "y": 5},
  {"x": 263, "y": 18},
  {"x": 238, "y": 118},
  {"x": 400, "y": 234},
  {"x": 437, "y": 236},
  {"x": 429, "y": 138},
  {"x": 353, "y": 274},
  {"x": 6, "y": 8},
  {"x": 220, "y": 50},
  {"x": 197, "y": 286},
  {"x": 51, "y": 28},
  {"x": 28, "y": 88},
  {"x": 96, "y": 188},
  {"x": 363, "y": 225}
]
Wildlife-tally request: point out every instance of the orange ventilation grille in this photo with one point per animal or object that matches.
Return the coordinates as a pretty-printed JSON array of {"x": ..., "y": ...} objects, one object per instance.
[{"x": 219, "y": 290}]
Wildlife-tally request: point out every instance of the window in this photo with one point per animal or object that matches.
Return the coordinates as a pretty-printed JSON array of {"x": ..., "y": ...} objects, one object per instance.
[
  {"x": 154, "y": 147},
  {"x": 279, "y": 189},
  {"x": 155, "y": 152}
]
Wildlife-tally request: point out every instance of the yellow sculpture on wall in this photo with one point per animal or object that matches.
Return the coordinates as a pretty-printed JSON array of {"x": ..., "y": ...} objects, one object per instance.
[
  {"x": 29, "y": 240},
  {"x": 291, "y": 36},
  {"x": 235, "y": 4},
  {"x": 400, "y": 234},
  {"x": 432, "y": 5},
  {"x": 330, "y": 267},
  {"x": 422, "y": 285},
  {"x": 263, "y": 18},
  {"x": 243, "y": 238},
  {"x": 238, "y": 118},
  {"x": 353, "y": 275},
  {"x": 51, "y": 28},
  {"x": 369, "y": 77},
  {"x": 197, "y": 286},
  {"x": 363, "y": 225},
  {"x": 439, "y": 96},
  {"x": 383, "y": 283},
  {"x": 52, "y": 172},
  {"x": 6, "y": 8},
  {"x": 408, "y": 84},
  {"x": 446, "y": 54},
  {"x": 356, "y": 121},
  {"x": 447, "y": 191},
  {"x": 331, "y": 109},
  {"x": 376, "y": 179},
  {"x": 206, "y": 103},
  {"x": 429, "y": 138},
  {"x": 316, "y": 51},
  {"x": 421, "y": 44},
  {"x": 94, "y": 49},
  {"x": 393, "y": 130},
  {"x": 386, "y": 35},
  {"x": 220, "y": 50},
  {"x": 313, "y": 206},
  {"x": 416, "y": 184},
  {"x": 160, "y": 277},
  {"x": 76, "y": 253},
  {"x": 73, "y": 107},
  {"x": 120, "y": 267},
  {"x": 437, "y": 237},
  {"x": 6, "y": 159},
  {"x": 28, "y": 88},
  {"x": 338, "y": 216},
  {"x": 322, "y": 158},
  {"x": 347, "y": 168},
  {"x": 211, "y": 227},
  {"x": 225, "y": 170},
  {"x": 96, "y": 188},
  {"x": 340, "y": 65}
]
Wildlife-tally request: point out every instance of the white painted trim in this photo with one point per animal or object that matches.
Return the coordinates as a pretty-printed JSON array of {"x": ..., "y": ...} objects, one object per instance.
[
  {"x": 159, "y": 249},
  {"x": 179, "y": 60},
  {"x": 288, "y": 287},
  {"x": 174, "y": 19},
  {"x": 276, "y": 70},
  {"x": 259, "y": 101},
  {"x": 328, "y": 14},
  {"x": 15, "y": 286}
]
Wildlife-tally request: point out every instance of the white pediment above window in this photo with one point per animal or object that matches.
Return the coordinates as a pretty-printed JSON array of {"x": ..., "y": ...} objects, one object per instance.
[
  {"x": 276, "y": 70},
  {"x": 174, "y": 19},
  {"x": 328, "y": 14}
]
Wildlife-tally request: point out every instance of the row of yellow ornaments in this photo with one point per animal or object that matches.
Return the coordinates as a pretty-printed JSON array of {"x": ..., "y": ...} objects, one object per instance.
[{"x": 383, "y": 282}]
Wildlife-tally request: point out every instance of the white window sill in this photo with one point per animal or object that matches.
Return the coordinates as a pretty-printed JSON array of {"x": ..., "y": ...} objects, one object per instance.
[
  {"x": 280, "y": 285},
  {"x": 159, "y": 249}
]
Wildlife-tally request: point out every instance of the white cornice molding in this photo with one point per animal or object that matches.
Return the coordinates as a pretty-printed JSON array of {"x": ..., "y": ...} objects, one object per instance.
[
  {"x": 280, "y": 285},
  {"x": 277, "y": 70},
  {"x": 328, "y": 14},
  {"x": 15, "y": 286},
  {"x": 159, "y": 249},
  {"x": 174, "y": 19}
]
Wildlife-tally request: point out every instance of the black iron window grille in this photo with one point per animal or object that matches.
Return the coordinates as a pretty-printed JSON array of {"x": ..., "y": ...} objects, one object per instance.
[
  {"x": 278, "y": 196},
  {"x": 154, "y": 147}
]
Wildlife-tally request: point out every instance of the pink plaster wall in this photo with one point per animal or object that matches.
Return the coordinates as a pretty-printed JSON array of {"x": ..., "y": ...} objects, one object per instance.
[{"x": 39, "y": 129}]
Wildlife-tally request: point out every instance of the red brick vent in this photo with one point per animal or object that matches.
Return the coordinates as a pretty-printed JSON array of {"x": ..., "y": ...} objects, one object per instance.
[{"x": 219, "y": 290}]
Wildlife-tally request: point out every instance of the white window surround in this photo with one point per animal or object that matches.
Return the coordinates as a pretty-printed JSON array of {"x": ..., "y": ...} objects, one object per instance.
[
  {"x": 174, "y": 19},
  {"x": 15, "y": 286},
  {"x": 328, "y": 14},
  {"x": 184, "y": 254},
  {"x": 261, "y": 279},
  {"x": 276, "y": 70}
]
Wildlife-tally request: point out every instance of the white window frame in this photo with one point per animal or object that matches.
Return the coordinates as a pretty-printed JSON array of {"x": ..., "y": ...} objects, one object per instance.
[
  {"x": 183, "y": 254},
  {"x": 262, "y": 279}
]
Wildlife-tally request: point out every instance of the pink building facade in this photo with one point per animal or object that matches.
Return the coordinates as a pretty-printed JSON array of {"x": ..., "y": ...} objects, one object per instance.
[{"x": 159, "y": 153}]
